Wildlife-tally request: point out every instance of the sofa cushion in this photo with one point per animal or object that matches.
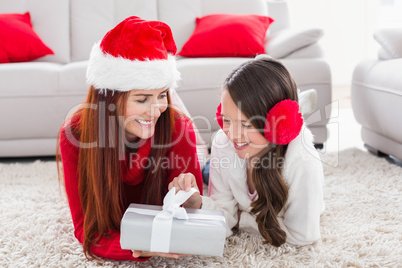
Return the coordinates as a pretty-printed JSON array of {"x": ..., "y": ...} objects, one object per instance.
[
  {"x": 50, "y": 20},
  {"x": 198, "y": 73},
  {"x": 92, "y": 19},
  {"x": 284, "y": 42},
  {"x": 279, "y": 11},
  {"x": 312, "y": 72},
  {"x": 180, "y": 15},
  {"x": 227, "y": 35},
  {"x": 35, "y": 117},
  {"x": 19, "y": 40},
  {"x": 28, "y": 79},
  {"x": 72, "y": 80},
  {"x": 390, "y": 40}
]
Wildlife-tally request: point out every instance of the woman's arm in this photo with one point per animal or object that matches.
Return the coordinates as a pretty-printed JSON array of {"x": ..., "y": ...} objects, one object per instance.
[{"x": 109, "y": 245}]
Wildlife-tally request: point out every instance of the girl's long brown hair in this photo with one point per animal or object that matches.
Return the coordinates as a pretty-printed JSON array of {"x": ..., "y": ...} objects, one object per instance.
[
  {"x": 99, "y": 166},
  {"x": 258, "y": 85}
]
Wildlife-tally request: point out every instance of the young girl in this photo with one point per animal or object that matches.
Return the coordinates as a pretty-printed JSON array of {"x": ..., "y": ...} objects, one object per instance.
[
  {"x": 126, "y": 143},
  {"x": 264, "y": 171}
]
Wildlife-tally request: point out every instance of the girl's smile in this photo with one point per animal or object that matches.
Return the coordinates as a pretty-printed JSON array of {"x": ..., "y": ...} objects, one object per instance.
[
  {"x": 247, "y": 140},
  {"x": 241, "y": 145}
]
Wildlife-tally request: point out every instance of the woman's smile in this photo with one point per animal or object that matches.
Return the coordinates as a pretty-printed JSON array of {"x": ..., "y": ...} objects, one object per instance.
[{"x": 145, "y": 123}]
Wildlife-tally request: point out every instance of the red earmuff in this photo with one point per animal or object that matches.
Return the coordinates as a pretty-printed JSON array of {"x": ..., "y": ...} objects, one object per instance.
[
  {"x": 284, "y": 122},
  {"x": 219, "y": 118}
]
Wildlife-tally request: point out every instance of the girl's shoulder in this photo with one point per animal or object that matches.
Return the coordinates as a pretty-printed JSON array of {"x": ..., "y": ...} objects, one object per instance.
[
  {"x": 302, "y": 147},
  {"x": 220, "y": 138},
  {"x": 302, "y": 159}
]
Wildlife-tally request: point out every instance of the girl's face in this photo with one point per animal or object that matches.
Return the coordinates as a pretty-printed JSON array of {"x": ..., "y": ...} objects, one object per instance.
[
  {"x": 143, "y": 109},
  {"x": 247, "y": 140}
]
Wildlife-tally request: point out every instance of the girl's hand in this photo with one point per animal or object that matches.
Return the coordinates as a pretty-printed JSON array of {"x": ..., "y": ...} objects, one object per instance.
[
  {"x": 139, "y": 253},
  {"x": 185, "y": 182}
]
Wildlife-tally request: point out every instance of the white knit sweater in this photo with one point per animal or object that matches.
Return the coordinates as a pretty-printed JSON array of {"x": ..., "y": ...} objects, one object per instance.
[{"x": 302, "y": 172}]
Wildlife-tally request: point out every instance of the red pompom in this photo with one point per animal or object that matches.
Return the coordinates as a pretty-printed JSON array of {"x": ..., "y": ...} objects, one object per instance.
[
  {"x": 284, "y": 122},
  {"x": 219, "y": 118}
]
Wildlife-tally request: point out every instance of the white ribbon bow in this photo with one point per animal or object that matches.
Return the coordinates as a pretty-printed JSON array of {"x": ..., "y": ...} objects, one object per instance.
[
  {"x": 162, "y": 223},
  {"x": 171, "y": 204}
]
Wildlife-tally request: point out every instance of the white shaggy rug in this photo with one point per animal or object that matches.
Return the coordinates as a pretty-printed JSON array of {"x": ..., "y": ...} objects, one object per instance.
[{"x": 361, "y": 226}]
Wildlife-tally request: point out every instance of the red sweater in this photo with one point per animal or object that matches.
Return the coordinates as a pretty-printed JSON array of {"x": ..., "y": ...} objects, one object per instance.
[{"x": 183, "y": 157}]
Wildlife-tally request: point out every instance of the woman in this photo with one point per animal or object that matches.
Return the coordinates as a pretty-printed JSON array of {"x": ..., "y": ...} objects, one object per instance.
[{"x": 126, "y": 143}]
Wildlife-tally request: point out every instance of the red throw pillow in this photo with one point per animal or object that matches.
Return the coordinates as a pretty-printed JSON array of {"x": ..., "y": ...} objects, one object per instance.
[
  {"x": 227, "y": 35},
  {"x": 18, "y": 40}
]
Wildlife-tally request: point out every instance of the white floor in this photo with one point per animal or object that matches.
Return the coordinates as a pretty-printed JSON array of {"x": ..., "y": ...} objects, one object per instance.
[{"x": 344, "y": 131}]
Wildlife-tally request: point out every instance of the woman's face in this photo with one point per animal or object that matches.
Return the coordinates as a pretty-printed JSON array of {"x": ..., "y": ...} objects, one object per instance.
[
  {"x": 247, "y": 140},
  {"x": 143, "y": 109}
]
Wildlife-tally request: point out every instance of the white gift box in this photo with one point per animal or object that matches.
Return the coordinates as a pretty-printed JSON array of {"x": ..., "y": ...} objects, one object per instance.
[{"x": 173, "y": 229}]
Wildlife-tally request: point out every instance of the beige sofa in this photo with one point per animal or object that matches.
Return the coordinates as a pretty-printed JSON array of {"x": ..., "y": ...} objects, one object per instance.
[{"x": 36, "y": 97}]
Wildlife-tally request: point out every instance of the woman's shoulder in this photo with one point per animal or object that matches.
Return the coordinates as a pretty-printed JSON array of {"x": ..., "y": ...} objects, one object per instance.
[
  {"x": 182, "y": 125},
  {"x": 69, "y": 131},
  {"x": 71, "y": 122},
  {"x": 181, "y": 119}
]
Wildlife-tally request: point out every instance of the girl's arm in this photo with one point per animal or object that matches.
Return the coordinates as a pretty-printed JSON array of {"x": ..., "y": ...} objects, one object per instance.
[
  {"x": 109, "y": 245},
  {"x": 220, "y": 194},
  {"x": 247, "y": 223},
  {"x": 301, "y": 218}
]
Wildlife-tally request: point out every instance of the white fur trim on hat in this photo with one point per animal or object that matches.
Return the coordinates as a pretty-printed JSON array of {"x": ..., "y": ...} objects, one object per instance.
[{"x": 108, "y": 72}]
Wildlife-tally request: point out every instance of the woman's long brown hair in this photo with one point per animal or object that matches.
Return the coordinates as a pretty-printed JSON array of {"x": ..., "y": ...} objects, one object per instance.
[
  {"x": 258, "y": 85},
  {"x": 99, "y": 166}
]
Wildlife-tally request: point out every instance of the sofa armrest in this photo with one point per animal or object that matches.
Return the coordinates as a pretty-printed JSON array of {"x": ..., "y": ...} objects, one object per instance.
[
  {"x": 390, "y": 40},
  {"x": 383, "y": 54},
  {"x": 280, "y": 44},
  {"x": 308, "y": 52}
]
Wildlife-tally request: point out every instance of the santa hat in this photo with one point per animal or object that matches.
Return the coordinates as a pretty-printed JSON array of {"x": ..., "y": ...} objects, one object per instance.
[{"x": 136, "y": 54}]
